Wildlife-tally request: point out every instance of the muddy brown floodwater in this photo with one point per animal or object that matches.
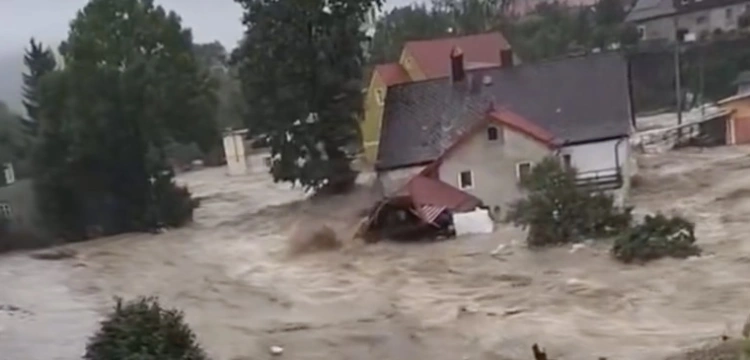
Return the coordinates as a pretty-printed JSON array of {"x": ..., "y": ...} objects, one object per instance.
[{"x": 242, "y": 293}]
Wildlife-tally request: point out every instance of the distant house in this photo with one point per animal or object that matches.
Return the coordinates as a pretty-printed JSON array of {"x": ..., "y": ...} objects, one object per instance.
[
  {"x": 423, "y": 60},
  {"x": 482, "y": 130},
  {"x": 664, "y": 19},
  {"x": 738, "y": 123},
  {"x": 17, "y": 203}
]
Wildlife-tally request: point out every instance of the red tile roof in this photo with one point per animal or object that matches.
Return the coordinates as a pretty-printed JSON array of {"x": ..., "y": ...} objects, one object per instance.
[
  {"x": 522, "y": 125},
  {"x": 504, "y": 117},
  {"x": 432, "y": 56},
  {"x": 427, "y": 191},
  {"x": 392, "y": 73}
]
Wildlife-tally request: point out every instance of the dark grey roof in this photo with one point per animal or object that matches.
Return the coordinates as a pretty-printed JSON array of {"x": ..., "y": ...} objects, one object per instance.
[
  {"x": 576, "y": 99},
  {"x": 649, "y": 9}
]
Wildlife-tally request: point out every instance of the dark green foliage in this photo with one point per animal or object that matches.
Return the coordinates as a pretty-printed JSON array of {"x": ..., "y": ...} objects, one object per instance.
[
  {"x": 130, "y": 85},
  {"x": 143, "y": 330},
  {"x": 173, "y": 205},
  {"x": 556, "y": 211},
  {"x": 658, "y": 236},
  {"x": 403, "y": 24},
  {"x": 39, "y": 61},
  {"x": 300, "y": 66}
]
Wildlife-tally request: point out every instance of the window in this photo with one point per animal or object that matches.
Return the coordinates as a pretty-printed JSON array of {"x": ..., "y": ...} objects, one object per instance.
[
  {"x": 641, "y": 31},
  {"x": 494, "y": 134},
  {"x": 380, "y": 97},
  {"x": 523, "y": 170},
  {"x": 267, "y": 161},
  {"x": 5, "y": 210},
  {"x": 728, "y": 13},
  {"x": 701, "y": 19},
  {"x": 466, "y": 180},
  {"x": 567, "y": 161},
  {"x": 10, "y": 174}
]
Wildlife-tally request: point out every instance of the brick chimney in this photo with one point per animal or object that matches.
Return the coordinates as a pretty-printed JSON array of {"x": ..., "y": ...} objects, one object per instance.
[
  {"x": 506, "y": 58},
  {"x": 458, "y": 71}
]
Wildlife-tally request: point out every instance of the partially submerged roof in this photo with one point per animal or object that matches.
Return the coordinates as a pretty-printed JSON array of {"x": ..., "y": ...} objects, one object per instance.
[
  {"x": 392, "y": 73},
  {"x": 575, "y": 99},
  {"x": 431, "y": 55},
  {"x": 649, "y": 9},
  {"x": 432, "y": 192}
]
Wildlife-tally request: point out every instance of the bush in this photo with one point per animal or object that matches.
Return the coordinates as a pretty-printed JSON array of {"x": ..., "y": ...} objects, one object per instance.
[
  {"x": 143, "y": 330},
  {"x": 173, "y": 204},
  {"x": 557, "y": 211},
  {"x": 658, "y": 236}
]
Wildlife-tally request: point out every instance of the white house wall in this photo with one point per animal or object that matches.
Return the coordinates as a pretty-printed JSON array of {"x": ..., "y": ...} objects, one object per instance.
[
  {"x": 493, "y": 165},
  {"x": 599, "y": 157}
]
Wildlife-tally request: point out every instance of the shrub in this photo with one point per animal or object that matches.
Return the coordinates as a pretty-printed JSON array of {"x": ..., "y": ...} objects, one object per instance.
[
  {"x": 143, "y": 330},
  {"x": 557, "y": 211},
  {"x": 173, "y": 204},
  {"x": 658, "y": 236}
]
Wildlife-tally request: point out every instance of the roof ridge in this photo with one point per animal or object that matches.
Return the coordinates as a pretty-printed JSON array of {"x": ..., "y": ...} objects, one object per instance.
[{"x": 453, "y": 37}]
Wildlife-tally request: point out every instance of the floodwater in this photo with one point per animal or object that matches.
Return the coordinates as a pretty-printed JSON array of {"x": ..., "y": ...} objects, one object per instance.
[{"x": 242, "y": 292}]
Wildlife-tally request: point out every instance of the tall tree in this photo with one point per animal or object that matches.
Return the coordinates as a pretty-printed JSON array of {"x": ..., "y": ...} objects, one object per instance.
[
  {"x": 300, "y": 66},
  {"x": 402, "y": 24},
  {"x": 130, "y": 84},
  {"x": 39, "y": 61}
]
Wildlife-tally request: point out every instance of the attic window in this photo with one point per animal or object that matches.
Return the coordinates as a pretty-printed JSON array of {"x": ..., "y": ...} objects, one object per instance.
[
  {"x": 466, "y": 180},
  {"x": 567, "y": 161},
  {"x": 10, "y": 174},
  {"x": 380, "y": 97},
  {"x": 494, "y": 134}
]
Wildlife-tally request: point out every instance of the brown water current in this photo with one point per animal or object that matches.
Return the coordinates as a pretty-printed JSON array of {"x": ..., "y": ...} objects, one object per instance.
[{"x": 242, "y": 292}]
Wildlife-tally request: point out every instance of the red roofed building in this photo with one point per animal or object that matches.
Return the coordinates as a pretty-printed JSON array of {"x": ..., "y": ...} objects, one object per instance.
[{"x": 423, "y": 60}]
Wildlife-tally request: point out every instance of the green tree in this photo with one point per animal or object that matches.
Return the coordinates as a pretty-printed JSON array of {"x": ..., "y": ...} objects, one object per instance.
[
  {"x": 144, "y": 330},
  {"x": 39, "y": 61},
  {"x": 300, "y": 66},
  {"x": 130, "y": 84},
  {"x": 402, "y": 24}
]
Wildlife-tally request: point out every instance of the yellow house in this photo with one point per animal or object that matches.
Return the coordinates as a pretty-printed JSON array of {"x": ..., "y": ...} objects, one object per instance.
[{"x": 422, "y": 60}]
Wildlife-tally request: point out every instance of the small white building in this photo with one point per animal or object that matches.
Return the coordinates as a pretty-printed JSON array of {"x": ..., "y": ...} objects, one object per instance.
[{"x": 234, "y": 152}]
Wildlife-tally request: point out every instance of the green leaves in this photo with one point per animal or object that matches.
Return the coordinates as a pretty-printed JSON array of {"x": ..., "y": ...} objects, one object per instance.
[
  {"x": 131, "y": 84},
  {"x": 300, "y": 68},
  {"x": 144, "y": 330}
]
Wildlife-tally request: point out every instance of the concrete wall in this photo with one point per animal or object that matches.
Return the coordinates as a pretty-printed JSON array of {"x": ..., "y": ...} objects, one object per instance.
[
  {"x": 493, "y": 165},
  {"x": 20, "y": 196}
]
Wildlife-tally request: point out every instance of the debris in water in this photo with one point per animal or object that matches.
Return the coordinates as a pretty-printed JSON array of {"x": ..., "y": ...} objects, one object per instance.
[
  {"x": 276, "y": 350},
  {"x": 577, "y": 247},
  {"x": 54, "y": 254},
  {"x": 306, "y": 239}
]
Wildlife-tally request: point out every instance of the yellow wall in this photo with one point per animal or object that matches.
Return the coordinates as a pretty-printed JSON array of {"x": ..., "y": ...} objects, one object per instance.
[
  {"x": 408, "y": 62},
  {"x": 373, "y": 118}
]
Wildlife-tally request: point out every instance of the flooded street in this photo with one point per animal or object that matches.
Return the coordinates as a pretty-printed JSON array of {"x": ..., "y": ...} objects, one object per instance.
[{"x": 242, "y": 292}]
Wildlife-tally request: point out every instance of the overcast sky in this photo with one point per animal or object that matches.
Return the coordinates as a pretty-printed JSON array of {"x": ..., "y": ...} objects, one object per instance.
[{"x": 47, "y": 20}]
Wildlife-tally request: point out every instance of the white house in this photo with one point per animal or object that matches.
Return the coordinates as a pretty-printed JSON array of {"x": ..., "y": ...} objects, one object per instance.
[{"x": 481, "y": 131}]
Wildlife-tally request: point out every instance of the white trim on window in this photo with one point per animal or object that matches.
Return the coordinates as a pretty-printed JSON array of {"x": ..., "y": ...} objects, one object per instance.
[
  {"x": 380, "y": 96},
  {"x": 471, "y": 180},
  {"x": 518, "y": 168}
]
